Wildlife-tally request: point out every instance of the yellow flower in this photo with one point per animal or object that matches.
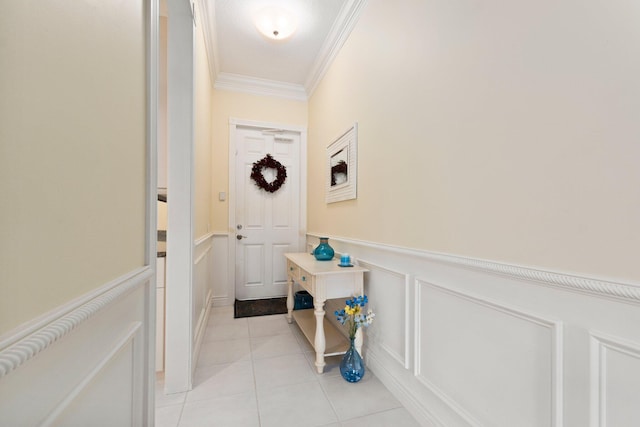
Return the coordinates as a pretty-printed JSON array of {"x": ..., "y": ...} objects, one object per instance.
[
  {"x": 352, "y": 314},
  {"x": 352, "y": 311}
]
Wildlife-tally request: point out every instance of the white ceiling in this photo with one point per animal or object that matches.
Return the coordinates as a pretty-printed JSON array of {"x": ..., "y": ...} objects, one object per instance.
[{"x": 242, "y": 59}]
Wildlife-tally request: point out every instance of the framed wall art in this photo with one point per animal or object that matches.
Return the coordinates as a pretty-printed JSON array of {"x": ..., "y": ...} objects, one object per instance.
[{"x": 342, "y": 167}]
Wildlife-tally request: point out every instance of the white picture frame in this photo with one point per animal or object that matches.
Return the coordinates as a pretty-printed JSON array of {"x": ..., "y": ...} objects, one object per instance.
[{"x": 342, "y": 167}]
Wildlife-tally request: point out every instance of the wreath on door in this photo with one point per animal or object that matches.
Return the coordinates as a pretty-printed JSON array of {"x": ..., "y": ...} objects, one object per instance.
[{"x": 268, "y": 162}]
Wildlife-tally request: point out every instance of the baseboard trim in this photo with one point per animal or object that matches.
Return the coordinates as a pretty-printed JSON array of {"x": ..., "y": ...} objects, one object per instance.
[
  {"x": 32, "y": 340},
  {"x": 221, "y": 301},
  {"x": 398, "y": 389}
]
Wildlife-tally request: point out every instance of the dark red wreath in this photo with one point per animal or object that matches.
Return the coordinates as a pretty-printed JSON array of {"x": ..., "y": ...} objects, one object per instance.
[{"x": 268, "y": 162}]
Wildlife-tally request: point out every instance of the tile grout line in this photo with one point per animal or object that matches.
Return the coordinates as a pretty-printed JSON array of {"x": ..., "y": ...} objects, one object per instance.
[
  {"x": 302, "y": 349},
  {"x": 181, "y": 411},
  {"x": 316, "y": 376},
  {"x": 330, "y": 402},
  {"x": 253, "y": 372}
]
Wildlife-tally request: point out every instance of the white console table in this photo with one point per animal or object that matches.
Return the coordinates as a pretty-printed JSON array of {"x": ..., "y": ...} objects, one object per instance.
[{"x": 323, "y": 280}]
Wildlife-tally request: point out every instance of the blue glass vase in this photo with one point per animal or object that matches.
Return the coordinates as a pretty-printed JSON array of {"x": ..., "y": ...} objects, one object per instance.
[
  {"x": 352, "y": 365},
  {"x": 324, "y": 252}
]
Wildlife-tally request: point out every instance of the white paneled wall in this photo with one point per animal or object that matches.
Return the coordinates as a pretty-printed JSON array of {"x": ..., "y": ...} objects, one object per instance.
[
  {"x": 516, "y": 356},
  {"x": 223, "y": 289},
  {"x": 467, "y": 342},
  {"x": 203, "y": 268},
  {"x": 86, "y": 361},
  {"x": 388, "y": 289},
  {"x": 615, "y": 381}
]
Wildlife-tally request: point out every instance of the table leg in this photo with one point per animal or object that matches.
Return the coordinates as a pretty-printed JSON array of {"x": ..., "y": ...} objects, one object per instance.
[
  {"x": 290, "y": 300},
  {"x": 320, "y": 343}
]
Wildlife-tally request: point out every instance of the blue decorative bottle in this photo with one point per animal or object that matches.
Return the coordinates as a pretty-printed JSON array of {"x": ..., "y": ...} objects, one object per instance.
[
  {"x": 352, "y": 366},
  {"x": 324, "y": 252}
]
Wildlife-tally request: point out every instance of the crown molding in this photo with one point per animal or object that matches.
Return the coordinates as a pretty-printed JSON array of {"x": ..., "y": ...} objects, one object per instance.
[
  {"x": 333, "y": 43},
  {"x": 338, "y": 35},
  {"x": 263, "y": 87},
  {"x": 208, "y": 19}
]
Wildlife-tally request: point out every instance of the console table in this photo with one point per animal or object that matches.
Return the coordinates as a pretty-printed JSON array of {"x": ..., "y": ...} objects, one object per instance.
[{"x": 323, "y": 280}]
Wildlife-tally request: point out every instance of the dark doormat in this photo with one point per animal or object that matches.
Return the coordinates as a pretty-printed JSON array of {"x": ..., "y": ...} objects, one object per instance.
[{"x": 260, "y": 307}]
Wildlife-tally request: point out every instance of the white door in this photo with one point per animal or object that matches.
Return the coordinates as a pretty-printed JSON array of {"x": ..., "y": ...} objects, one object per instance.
[{"x": 267, "y": 224}]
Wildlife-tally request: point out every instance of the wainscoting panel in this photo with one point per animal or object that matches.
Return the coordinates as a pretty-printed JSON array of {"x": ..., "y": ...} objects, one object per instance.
[
  {"x": 89, "y": 363},
  {"x": 615, "y": 377},
  {"x": 471, "y": 342},
  {"x": 202, "y": 291},
  {"x": 494, "y": 365},
  {"x": 223, "y": 289},
  {"x": 105, "y": 383},
  {"x": 388, "y": 289}
]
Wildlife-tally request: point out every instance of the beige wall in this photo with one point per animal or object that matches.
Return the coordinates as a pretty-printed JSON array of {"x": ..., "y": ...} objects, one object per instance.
[
  {"x": 228, "y": 105},
  {"x": 72, "y": 151},
  {"x": 505, "y": 130},
  {"x": 202, "y": 135}
]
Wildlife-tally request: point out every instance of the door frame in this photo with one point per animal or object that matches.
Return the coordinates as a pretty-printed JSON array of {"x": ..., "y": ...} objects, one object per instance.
[
  {"x": 302, "y": 220},
  {"x": 152, "y": 14},
  {"x": 178, "y": 370}
]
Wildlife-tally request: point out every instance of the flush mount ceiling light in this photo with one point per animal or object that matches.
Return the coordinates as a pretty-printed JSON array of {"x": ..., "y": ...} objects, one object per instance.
[{"x": 275, "y": 22}]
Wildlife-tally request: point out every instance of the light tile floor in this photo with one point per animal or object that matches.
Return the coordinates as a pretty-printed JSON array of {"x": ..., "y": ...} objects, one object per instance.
[{"x": 259, "y": 372}]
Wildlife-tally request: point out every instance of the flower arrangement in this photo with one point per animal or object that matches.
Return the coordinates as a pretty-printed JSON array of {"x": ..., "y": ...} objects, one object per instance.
[{"x": 353, "y": 314}]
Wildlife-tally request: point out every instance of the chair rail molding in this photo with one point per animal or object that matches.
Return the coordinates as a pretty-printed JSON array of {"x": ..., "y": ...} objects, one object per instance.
[
  {"x": 627, "y": 292},
  {"x": 70, "y": 317}
]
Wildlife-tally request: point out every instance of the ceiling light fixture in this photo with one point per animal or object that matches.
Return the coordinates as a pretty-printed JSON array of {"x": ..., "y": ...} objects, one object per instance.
[{"x": 276, "y": 23}]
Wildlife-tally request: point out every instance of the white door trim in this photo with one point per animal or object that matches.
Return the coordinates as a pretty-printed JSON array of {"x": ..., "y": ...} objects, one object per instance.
[
  {"x": 180, "y": 203},
  {"x": 233, "y": 124},
  {"x": 153, "y": 42}
]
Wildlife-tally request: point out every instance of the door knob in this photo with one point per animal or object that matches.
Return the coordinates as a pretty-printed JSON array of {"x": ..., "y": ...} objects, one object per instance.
[{"x": 240, "y": 237}]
